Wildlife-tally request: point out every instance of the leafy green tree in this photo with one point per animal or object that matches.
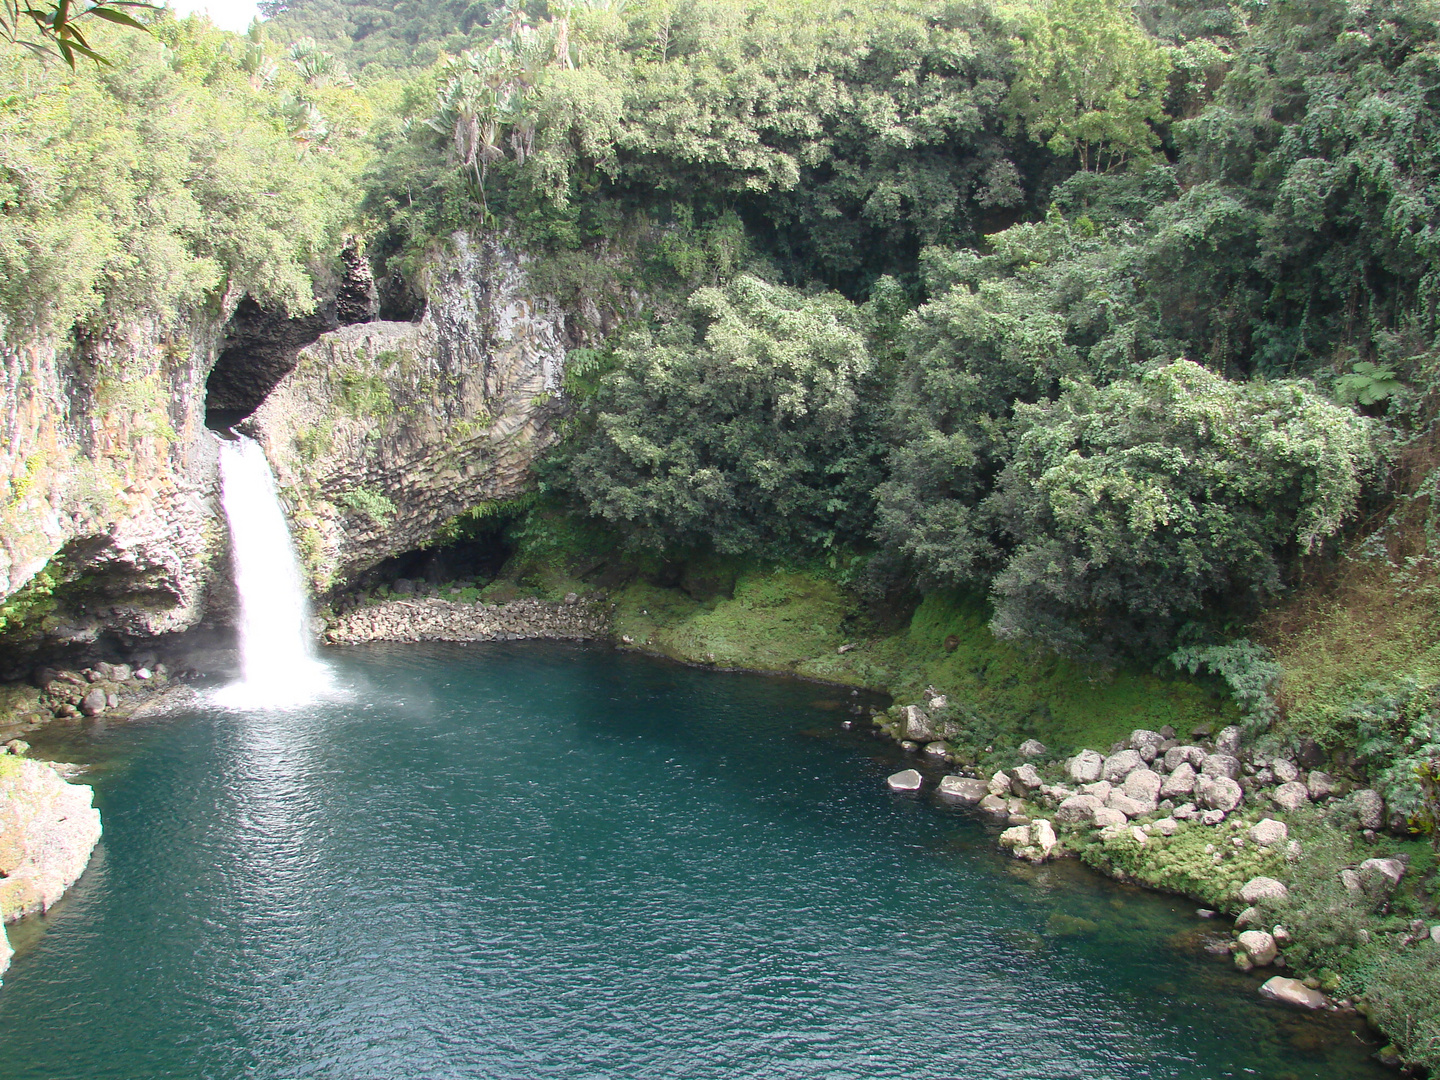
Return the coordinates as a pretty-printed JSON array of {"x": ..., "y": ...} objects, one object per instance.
[
  {"x": 1089, "y": 80},
  {"x": 741, "y": 426},
  {"x": 1131, "y": 508}
]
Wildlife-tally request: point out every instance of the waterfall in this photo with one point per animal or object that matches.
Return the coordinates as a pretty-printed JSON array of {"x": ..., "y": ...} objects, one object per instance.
[{"x": 278, "y": 663}]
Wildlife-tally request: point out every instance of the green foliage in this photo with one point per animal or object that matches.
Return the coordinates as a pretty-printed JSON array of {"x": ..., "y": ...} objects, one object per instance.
[
  {"x": 57, "y": 25},
  {"x": 1399, "y": 733},
  {"x": 158, "y": 183},
  {"x": 742, "y": 426},
  {"x": 1366, "y": 384},
  {"x": 1138, "y": 505},
  {"x": 1248, "y": 669},
  {"x": 1182, "y": 863},
  {"x": 1402, "y": 997},
  {"x": 363, "y": 394},
  {"x": 33, "y": 601},
  {"x": 1089, "y": 81},
  {"x": 372, "y": 504}
]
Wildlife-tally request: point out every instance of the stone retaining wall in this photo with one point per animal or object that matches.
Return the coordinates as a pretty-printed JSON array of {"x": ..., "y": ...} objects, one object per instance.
[{"x": 446, "y": 620}]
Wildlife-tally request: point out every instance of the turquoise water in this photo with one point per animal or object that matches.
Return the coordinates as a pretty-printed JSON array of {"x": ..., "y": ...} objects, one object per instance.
[{"x": 527, "y": 861}]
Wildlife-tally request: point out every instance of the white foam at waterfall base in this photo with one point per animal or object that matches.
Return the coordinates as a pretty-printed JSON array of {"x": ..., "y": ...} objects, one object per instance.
[{"x": 279, "y": 668}]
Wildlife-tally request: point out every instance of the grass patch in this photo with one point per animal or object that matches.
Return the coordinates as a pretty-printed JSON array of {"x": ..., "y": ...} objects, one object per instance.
[{"x": 1370, "y": 623}]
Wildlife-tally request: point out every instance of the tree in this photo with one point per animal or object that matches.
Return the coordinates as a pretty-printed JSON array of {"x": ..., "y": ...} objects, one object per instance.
[
  {"x": 743, "y": 425},
  {"x": 1090, "y": 80},
  {"x": 1132, "y": 508}
]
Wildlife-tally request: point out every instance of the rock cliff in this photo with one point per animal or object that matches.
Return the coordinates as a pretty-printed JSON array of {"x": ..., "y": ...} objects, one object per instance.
[
  {"x": 106, "y": 465},
  {"x": 379, "y": 432},
  {"x": 383, "y": 432}
]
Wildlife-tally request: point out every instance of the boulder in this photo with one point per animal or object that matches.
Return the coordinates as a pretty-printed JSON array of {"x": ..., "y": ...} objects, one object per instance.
[
  {"x": 1290, "y": 796},
  {"x": 1226, "y": 765},
  {"x": 1286, "y": 771},
  {"x": 915, "y": 725},
  {"x": 1259, "y": 947},
  {"x": 6, "y": 952},
  {"x": 1118, "y": 766},
  {"x": 1392, "y": 870},
  {"x": 1259, "y": 889},
  {"x": 1228, "y": 741},
  {"x": 1129, "y": 807},
  {"x": 1369, "y": 808},
  {"x": 1078, "y": 809},
  {"x": 1320, "y": 785},
  {"x": 1351, "y": 881},
  {"x": 1015, "y": 836},
  {"x": 1042, "y": 835},
  {"x": 1085, "y": 767},
  {"x": 1248, "y": 916},
  {"x": 1212, "y": 817},
  {"x": 1146, "y": 743},
  {"x": 1268, "y": 831},
  {"x": 994, "y": 804},
  {"x": 1218, "y": 793},
  {"x": 1031, "y": 748},
  {"x": 1180, "y": 783},
  {"x": 1292, "y": 992},
  {"x": 1176, "y": 754},
  {"x": 965, "y": 789},
  {"x": 1142, "y": 785},
  {"x": 936, "y": 749},
  {"x": 1435, "y": 933},
  {"x": 1100, "y": 789},
  {"x": 1024, "y": 780},
  {"x": 94, "y": 703},
  {"x": 906, "y": 780},
  {"x": 1000, "y": 784},
  {"x": 1106, "y": 817},
  {"x": 1166, "y": 826}
]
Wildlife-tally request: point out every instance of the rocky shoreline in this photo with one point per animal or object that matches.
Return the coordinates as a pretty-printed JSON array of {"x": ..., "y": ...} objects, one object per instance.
[
  {"x": 1209, "y": 819},
  {"x": 438, "y": 619}
]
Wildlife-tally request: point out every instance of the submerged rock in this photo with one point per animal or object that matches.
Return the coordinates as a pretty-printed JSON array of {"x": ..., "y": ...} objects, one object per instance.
[{"x": 1292, "y": 992}]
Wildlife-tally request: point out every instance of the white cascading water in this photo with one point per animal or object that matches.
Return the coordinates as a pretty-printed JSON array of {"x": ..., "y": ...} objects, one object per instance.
[{"x": 279, "y": 668}]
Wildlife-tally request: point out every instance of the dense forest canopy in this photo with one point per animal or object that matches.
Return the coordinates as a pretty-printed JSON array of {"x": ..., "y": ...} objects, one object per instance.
[{"x": 1110, "y": 312}]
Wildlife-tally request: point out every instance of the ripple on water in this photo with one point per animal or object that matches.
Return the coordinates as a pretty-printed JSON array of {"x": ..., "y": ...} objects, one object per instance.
[{"x": 553, "y": 861}]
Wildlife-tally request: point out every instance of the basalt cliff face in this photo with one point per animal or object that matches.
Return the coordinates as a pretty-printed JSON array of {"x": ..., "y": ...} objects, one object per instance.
[
  {"x": 109, "y": 470},
  {"x": 384, "y": 432},
  {"x": 379, "y": 433}
]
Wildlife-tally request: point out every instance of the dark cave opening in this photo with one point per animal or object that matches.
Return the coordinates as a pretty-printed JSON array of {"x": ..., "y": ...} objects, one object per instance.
[
  {"x": 470, "y": 561},
  {"x": 262, "y": 345}
]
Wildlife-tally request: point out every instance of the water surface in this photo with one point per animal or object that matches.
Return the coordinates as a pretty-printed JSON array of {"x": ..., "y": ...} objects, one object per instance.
[{"x": 526, "y": 861}]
